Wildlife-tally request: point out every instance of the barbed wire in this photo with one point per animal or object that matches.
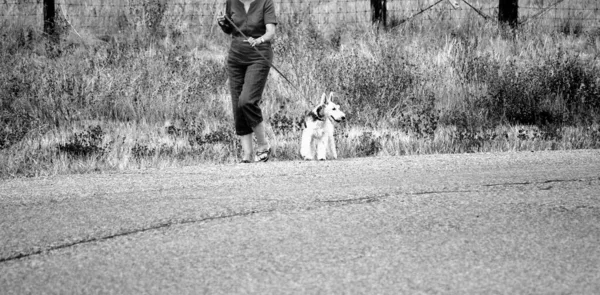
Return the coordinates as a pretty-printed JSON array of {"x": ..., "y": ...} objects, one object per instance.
[{"x": 202, "y": 12}]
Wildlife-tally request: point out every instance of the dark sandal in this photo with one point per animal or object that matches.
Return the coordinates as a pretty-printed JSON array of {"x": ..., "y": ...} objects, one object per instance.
[
  {"x": 246, "y": 161},
  {"x": 263, "y": 156}
]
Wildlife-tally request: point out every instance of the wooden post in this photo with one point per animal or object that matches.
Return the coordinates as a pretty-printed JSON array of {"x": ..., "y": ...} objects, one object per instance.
[
  {"x": 508, "y": 13},
  {"x": 379, "y": 12},
  {"x": 384, "y": 12},
  {"x": 49, "y": 19}
]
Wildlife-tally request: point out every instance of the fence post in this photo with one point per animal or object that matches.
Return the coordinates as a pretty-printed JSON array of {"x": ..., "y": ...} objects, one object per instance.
[
  {"x": 49, "y": 19},
  {"x": 379, "y": 12},
  {"x": 508, "y": 12}
]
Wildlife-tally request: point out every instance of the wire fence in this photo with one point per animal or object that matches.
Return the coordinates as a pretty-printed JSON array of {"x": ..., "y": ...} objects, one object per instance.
[{"x": 194, "y": 15}]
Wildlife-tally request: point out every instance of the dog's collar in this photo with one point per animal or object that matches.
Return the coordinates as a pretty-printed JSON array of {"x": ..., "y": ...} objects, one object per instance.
[{"x": 316, "y": 117}]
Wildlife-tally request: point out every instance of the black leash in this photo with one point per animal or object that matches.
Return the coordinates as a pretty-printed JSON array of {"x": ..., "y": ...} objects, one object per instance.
[{"x": 267, "y": 60}]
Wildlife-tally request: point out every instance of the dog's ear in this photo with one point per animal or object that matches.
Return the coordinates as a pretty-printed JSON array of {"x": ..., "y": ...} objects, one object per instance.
[
  {"x": 320, "y": 111},
  {"x": 323, "y": 98},
  {"x": 330, "y": 96}
]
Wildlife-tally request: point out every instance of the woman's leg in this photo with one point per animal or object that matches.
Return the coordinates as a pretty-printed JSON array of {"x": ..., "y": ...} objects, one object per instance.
[
  {"x": 249, "y": 100},
  {"x": 237, "y": 75},
  {"x": 261, "y": 137},
  {"x": 247, "y": 148}
]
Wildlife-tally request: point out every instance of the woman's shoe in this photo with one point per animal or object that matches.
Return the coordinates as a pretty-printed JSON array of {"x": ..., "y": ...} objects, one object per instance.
[{"x": 264, "y": 155}]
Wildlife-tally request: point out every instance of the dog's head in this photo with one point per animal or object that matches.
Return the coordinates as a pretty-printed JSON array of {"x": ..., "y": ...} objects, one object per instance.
[{"x": 327, "y": 109}]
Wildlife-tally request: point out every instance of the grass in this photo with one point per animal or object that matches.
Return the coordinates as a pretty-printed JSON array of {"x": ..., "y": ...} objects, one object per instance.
[{"x": 146, "y": 97}]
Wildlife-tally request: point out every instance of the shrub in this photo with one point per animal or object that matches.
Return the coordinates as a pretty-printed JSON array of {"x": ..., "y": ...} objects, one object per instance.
[
  {"x": 222, "y": 135},
  {"x": 154, "y": 13},
  {"x": 140, "y": 151},
  {"x": 559, "y": 91},
  {"x": 14, "y": 127},
  {"x": 419, "y": 116},
  {"x": 368, "y": 145},
  {"x": 85, "y": 144},
  {"x": 282, "y": 123}
]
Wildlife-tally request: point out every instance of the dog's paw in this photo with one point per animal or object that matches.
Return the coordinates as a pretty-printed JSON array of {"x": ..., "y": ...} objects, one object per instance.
[{"x": 307, "y": 158}]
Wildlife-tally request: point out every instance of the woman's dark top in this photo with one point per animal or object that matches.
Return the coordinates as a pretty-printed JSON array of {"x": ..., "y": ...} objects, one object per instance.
[{"x": 252, "y": 24}]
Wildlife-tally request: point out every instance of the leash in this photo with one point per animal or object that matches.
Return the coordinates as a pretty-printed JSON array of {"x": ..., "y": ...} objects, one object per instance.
[{"x": 267, "y": 60}]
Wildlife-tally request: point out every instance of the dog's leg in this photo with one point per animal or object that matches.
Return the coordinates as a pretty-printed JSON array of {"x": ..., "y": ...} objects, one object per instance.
[
  {"x": 305, "y": 145},
  {"x": 322, "y": 149},
  {"x": 332, "y": 149}
]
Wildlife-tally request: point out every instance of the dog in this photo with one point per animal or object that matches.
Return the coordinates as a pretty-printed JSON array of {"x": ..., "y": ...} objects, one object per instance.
[{"x": 318, "y": 128}]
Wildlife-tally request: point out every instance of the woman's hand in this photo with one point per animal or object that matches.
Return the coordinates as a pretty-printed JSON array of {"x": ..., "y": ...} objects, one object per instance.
[
  {"x": 253, "y": 42},
  {"x": 222, "y": 20}
]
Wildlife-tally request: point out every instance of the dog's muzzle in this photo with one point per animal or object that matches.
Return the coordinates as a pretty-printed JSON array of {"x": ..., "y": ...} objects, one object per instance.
[{"x": 342, "y": 118}]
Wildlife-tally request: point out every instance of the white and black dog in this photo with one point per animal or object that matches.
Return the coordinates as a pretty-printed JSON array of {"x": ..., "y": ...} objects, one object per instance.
[{"x": 317, "y": 135}]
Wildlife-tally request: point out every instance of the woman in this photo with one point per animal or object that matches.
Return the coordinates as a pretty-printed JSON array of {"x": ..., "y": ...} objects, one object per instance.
[{"x": 248, "y": 70}]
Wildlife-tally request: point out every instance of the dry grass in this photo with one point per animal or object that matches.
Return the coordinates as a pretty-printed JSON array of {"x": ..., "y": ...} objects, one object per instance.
[{"x": 160, "y": 97}]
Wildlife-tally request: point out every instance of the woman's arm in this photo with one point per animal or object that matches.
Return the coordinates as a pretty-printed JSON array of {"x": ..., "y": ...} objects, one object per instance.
[
  {"x": 270, "y": 20},
  {"x": 269, "y": 35},
  {"x": 223, "y": 22}
]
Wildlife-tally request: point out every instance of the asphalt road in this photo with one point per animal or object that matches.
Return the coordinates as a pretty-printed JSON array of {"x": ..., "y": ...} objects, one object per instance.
[{"x": 509, "y": 223}]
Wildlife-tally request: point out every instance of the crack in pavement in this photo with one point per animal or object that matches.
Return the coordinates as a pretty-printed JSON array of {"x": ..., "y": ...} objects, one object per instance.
[
  {"x": 541, "y": 182},
  {"x": 445, "y": 192},
  {"x": 18, "y": 256},
  {"x": 361, "y": 200},
  {"x": 337, "y": 202},
  {"x": 127, "y": 233}
]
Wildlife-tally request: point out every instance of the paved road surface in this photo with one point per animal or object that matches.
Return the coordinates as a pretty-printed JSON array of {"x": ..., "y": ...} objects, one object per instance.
[{"x": 512, "y": 223}]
